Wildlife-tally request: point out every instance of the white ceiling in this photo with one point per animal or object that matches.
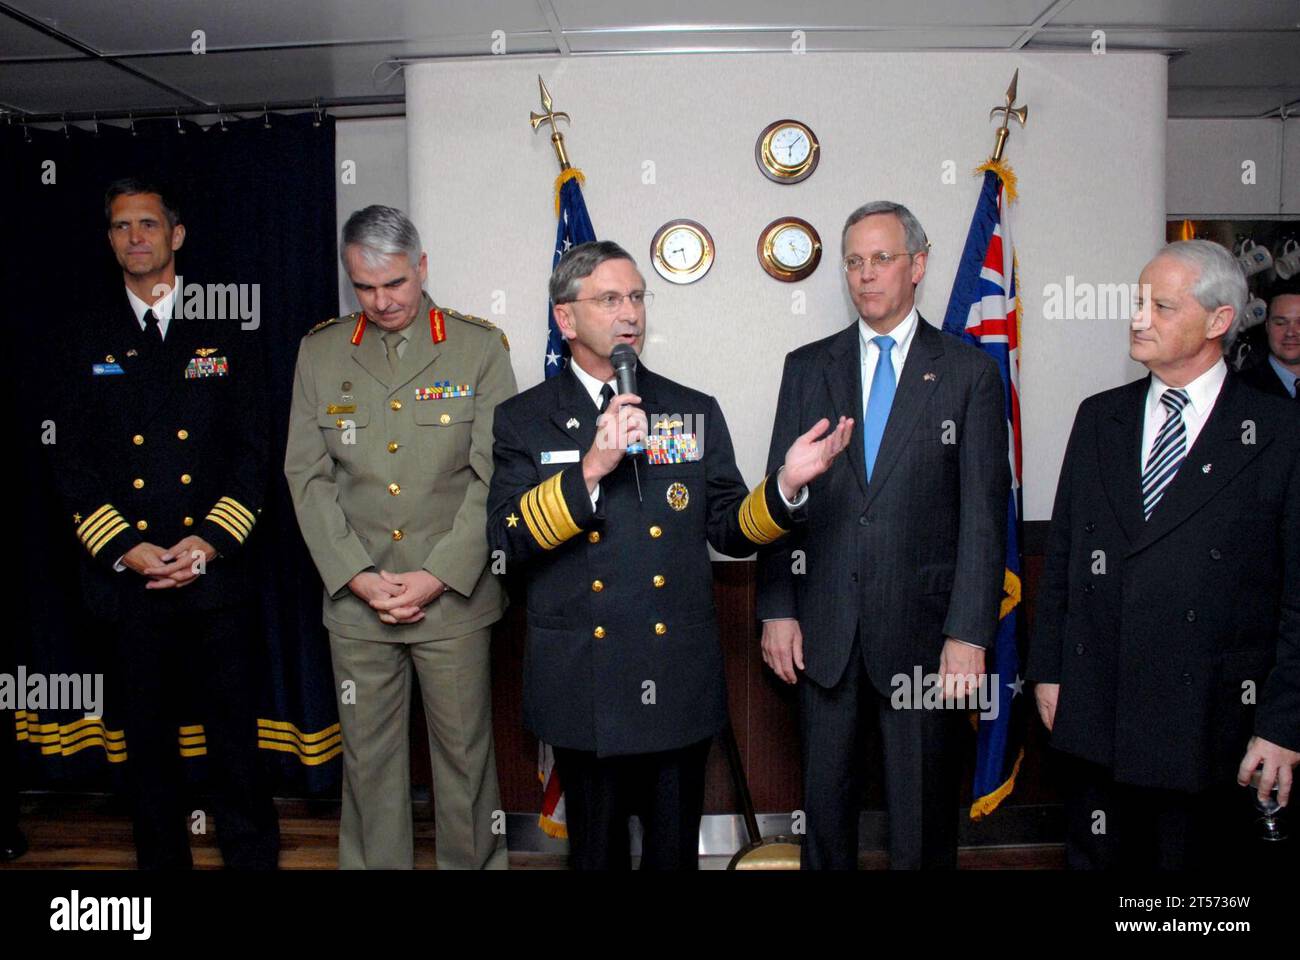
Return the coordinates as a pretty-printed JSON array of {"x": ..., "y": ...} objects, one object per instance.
[{"x": 1237, "y": 58}]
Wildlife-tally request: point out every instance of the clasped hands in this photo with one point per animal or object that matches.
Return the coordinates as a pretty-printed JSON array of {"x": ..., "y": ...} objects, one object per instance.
[
  {"x": 167, "y": 569},
  {"x": 397, "y": 597}
]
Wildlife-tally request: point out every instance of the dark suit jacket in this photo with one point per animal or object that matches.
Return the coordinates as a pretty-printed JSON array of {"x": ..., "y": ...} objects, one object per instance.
[
  {"x": 918, "y": 554},
  {"x": 1152, "y": 628},
  {"x": 157, "y": 452},
  {"x": 621, "y": 595},
  {"x": 1263, "y": 377}
]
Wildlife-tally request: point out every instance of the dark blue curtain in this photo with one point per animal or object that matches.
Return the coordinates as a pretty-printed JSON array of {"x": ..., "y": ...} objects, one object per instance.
[{"x": 258, "y": 201}]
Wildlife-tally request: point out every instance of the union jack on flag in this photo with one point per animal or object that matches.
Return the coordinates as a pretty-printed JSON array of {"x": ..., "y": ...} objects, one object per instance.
[{"x": 983, "y": 309}]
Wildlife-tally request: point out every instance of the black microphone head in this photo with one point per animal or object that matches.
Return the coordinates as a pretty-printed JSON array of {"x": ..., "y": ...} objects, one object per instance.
[{"x": 623, "y": 356}]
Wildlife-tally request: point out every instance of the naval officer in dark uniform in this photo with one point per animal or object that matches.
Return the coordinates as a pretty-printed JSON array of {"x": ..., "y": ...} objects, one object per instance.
[
  {"x": 623, "y": 669},
  {"x": 160, "y": 457}
]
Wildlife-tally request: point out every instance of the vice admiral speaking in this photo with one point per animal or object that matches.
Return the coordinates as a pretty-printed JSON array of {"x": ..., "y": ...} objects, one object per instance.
[{"x": 623, "y": 669}]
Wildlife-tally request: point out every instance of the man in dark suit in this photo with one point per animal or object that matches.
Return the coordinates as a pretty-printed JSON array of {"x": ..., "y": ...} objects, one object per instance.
[
  {"x": 623, "y": 669},
  {"x": 1278, "y": 374},
  {"x": 899, "y": 568},
  {"x": 1166, "y": 648},
  {"x": 160, "y": 459}
]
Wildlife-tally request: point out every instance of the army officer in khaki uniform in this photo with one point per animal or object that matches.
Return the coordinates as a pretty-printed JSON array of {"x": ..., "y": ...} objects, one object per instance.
[{"x": 388, "y": 461}]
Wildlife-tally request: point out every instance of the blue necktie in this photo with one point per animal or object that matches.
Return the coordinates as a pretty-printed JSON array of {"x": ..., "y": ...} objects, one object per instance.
[{"x": 881, "y": 399}]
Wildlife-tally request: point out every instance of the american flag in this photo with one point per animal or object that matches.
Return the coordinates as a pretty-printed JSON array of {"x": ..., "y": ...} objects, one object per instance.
[
  {"x": 984, "y": 310},
  {"x": 574, "y": 227}
]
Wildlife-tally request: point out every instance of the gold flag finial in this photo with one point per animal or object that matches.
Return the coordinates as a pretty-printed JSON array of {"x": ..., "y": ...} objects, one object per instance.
[
  {"x": 1008, "y": 111},
  {"x": 550, "y": 116}
]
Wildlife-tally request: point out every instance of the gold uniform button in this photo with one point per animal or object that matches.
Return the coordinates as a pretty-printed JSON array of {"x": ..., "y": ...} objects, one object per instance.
[
  {"x": 593, "y": 537},
  {"x": 186, "y": 478},
  {"x": 137, "y": 439},
  {"x": 397, "y": 534},
  {"x": 142, "y": 524},
  {"x": 339, "y": 423},
  {"x": 182, "y": 434},
  {"x": 658, "y": 580},
  {"x": 597, "y": 586},
  {"x": 660, "y": 629},
  {"x": 396, "y": 404},
  {"x": 599, "y": 633},
  {"x": 392, "y": 446},
  {"x": 445, "y": 419},
  {"x": 394, "y": 489},
  {"x": 137, "y": 483},
  {"x": 188, "y": 521},
  {"x": 656, "y": 532}
]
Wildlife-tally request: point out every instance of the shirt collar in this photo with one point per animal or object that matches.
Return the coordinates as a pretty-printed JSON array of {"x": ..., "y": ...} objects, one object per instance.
[
  {"x": 1202, "y": 392},
  {"x": 590, "y": 383},
  {"x": 902, "y": 333},
  {"x": 1289, "y": 379},
  {"x": 162, "y": 309}
]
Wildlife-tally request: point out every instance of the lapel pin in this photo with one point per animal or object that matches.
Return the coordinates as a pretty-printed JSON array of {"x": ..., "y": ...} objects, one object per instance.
[
  {"x": 1205, "y": 468},
  {"x": 573, "y": 423},
  {"x": 929, "y": 377},
  {"x": 132, "y": 353}
]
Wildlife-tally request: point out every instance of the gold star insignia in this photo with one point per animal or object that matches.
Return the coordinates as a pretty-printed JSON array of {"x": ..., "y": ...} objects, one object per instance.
[
  {"x": 76, "y": 518},
  {"x": 512, "y": 521}
]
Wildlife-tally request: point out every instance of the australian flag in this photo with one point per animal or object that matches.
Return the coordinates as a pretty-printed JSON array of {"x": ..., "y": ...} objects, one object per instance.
[
  {"x": 574, "y": 228},
  {"x": 982, "y": 309}
]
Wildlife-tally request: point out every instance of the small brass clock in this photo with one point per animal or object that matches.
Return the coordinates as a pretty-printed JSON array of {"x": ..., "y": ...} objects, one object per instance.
[
  {"x": 789, "y": 249},
  {"x": 787, "y": 151},
  {"x": 682, "y": 251}
]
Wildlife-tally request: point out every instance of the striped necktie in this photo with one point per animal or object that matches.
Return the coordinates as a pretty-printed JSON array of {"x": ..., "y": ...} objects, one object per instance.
[{"x": 1168, "y": 451}]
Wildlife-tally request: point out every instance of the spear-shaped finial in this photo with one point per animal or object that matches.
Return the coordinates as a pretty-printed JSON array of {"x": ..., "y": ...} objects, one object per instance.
[
  {"x": 1008, "y": 111},
  {"x": 550, "y": 116}
]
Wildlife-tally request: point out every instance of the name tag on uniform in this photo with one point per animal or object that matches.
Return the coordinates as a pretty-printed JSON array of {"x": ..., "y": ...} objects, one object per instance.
[
  {"x": 559, "y": 456},
  {"x": 104, "y": 369},
  {"x": 672, "y": 448},
  {"x": 341, "y": 408}
]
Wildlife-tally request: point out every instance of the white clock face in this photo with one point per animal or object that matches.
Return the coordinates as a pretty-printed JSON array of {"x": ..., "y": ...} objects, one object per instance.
[
  {"x": 792, "y": 247},
  {"x": 790, "y": 146},
  {"x": 683, "y": 249}
]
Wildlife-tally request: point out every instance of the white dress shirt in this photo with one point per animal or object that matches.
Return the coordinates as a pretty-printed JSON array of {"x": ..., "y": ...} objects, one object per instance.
[
  {"x": 1202, "y": 392},
  {"x": 162, "y": 309},
  {"x": 903, "y": 335}
]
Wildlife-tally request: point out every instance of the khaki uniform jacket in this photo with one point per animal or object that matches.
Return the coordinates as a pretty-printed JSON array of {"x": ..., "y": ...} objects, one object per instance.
[{"x": 391, "y": 472}]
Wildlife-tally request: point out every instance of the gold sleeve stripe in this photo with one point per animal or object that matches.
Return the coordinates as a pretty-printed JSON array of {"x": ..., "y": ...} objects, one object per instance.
[
  {"x": 526, "y": 507},
  {"x": 106, "y": 535},
  {"x": 239, "y": 509},
  {"x": 90, "y": 520},
  {"x": 107, "y": 520},
  {"x": 225, "y": 526},
  {"x": 543, "y": 517},
  {"x": 234, "y": 519},
  {"x": 556, "y": 510},
  {"x": 756, "y": 521}
]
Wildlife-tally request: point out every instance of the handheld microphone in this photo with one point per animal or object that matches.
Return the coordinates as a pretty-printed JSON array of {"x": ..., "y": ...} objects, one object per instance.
[{"x": 623, "y": 359}]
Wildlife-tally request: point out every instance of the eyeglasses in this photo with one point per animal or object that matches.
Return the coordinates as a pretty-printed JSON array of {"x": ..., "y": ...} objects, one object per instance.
[
  {"x": 883, "y": 259},
  {"x": 610, "y": 302}
]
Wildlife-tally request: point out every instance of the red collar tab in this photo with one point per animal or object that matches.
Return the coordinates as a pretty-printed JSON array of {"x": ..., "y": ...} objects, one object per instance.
[
  {"x": 437, "y": 325},
  {"x": 359, "y": 330}
]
